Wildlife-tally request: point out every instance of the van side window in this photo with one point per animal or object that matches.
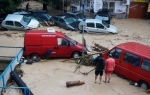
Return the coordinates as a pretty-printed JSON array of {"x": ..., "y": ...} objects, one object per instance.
[
  {"x": 146, "y": 64},
  {"x": 132, "y": 59},
  {"x": 62, "y": 42},
  {"x": 91, "y": 25},
  {"x": 98, "y": 25},
  {"x": 116, "y": 53}
]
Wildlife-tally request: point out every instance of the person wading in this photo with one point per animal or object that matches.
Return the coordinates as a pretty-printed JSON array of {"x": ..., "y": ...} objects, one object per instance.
[{"x": 100, "y": 66}]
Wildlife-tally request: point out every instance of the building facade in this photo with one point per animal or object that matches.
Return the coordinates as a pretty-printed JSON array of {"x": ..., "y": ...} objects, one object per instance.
[{"x": 118, "y": 8}]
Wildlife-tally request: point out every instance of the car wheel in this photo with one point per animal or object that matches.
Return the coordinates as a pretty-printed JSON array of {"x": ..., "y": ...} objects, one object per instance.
[
  {"x": 144, "y": 85},
  {"x": 75, "y": 54},
  {"x": 34, "y": 57}
]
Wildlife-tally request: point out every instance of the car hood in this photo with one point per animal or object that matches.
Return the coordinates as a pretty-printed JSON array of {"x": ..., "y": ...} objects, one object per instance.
[
  {"x": 33, "y": 23},
  {"x": 113, "y": 29},
  {"x": 101, "y": 17},
  {"x": 75, "y": 25}
]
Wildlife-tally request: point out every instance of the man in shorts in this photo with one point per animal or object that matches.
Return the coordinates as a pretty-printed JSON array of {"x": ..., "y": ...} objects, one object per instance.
[
  {"x": 100, "y": 67},
  {"x": 110, "y": 66}
]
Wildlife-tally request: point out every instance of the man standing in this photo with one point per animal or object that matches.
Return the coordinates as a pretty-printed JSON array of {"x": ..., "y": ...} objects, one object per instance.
[
  {"x": 110, "y": 66},
  {"x": 27, "y": 7},
  {"x": 100, "y": 66}
]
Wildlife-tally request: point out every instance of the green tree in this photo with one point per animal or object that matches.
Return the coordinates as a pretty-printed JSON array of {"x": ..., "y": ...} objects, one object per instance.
[{"x": 9, "y": 5}]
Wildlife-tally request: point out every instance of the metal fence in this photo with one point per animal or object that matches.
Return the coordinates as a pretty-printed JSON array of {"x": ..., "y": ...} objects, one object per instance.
[{"x": 15, "y": 53}]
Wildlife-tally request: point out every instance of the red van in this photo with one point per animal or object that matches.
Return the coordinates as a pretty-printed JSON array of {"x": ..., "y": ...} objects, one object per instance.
[
  {"x": 132, "y": 62},
  {"x": 38, "y": 42}
]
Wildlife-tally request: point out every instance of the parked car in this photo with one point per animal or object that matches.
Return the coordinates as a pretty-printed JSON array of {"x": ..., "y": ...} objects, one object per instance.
[
  {"x": 19, "y": 22},
  {"x": 40, "y": 16},
  {"x": 65, "y": 22},
  {"x": 77, "y": 15},
  {"x": 99, "y": 26},
  {"x": 104, "y": 15}
]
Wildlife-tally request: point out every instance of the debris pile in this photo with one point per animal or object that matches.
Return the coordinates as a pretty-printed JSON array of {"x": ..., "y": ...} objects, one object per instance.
[
  {"x": 99, "y": 48},
  {"x": 48, "y": 23},
  {"x": 88, "y": 59}
]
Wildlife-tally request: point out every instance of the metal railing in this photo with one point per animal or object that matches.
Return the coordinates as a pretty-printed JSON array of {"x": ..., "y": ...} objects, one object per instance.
[{"x": 16, "y": 54}]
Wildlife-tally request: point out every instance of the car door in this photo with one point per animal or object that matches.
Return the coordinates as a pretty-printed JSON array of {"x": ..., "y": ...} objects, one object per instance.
[
  {"x": 64, "y": 48},
  {"x": 62, "y": 23},
  {"x": 19, "y": 26},
  {"x": 117, "y": 55},
  {"x": 100, "y": 28},
  {"x": 90, "y": 27}
]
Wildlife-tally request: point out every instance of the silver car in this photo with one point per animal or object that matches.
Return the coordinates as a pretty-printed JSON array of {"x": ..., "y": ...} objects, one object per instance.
[
  {"x": 98, "y": 26},
  {"x": 19, "y": 22}
]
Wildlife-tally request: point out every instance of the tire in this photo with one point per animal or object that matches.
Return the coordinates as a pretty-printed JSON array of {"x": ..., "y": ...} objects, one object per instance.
[
  {"x": 144, "y": 85},
  {"x": 34, "y": 57},
  {"x": 75, "y": 54}
]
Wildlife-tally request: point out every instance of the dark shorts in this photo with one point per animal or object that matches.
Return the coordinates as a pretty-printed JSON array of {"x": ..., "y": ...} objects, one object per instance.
[{"x": 98, "y": 72}]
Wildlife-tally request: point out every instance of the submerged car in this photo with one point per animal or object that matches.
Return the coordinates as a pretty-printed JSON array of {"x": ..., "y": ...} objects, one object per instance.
[
  {"x": 40, "y": 16},
  {"x": 77, "y": 15},
  {"x": 19, "y": 22},
  {"x": 99, "y": 26},
  {"x": 104, "y": 15},
  {"x": 66, "y": 22}
]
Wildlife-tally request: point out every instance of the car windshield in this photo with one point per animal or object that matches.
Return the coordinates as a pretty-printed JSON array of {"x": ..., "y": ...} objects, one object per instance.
[
  {"x": 105, "y": 24},
  {"x": 80, "y": 15},
  {"x": 26, "y": 20},
  {"x": 70, "y": 20},
  {"x": 71, "y": 40}
]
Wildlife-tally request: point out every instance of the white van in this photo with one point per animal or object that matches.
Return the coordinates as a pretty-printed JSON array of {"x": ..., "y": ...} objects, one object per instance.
[{"x": 98, "y": 26}]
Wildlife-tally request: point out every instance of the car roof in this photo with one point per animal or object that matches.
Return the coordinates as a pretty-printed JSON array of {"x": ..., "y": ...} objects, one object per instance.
[
  {"x": 14, "y": 17},
  {"x": 136, "y": 48},
  {"x": 93, "y": 20}
]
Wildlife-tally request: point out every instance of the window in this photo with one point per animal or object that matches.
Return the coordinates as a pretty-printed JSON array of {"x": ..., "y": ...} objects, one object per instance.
[
  {"x": 61, "y": 20},
  {"x": 18, "y": 24},
  {"x": 146, "y": 65},
  {"x": 91, "y": 25},
  {"x": 62, "y": 42},
  {"x": 132, "y": 59},
  {"x": 9, "y": 23},
  {"x": 116, "y": 53},
  {"x": 98, "y": 25}
]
